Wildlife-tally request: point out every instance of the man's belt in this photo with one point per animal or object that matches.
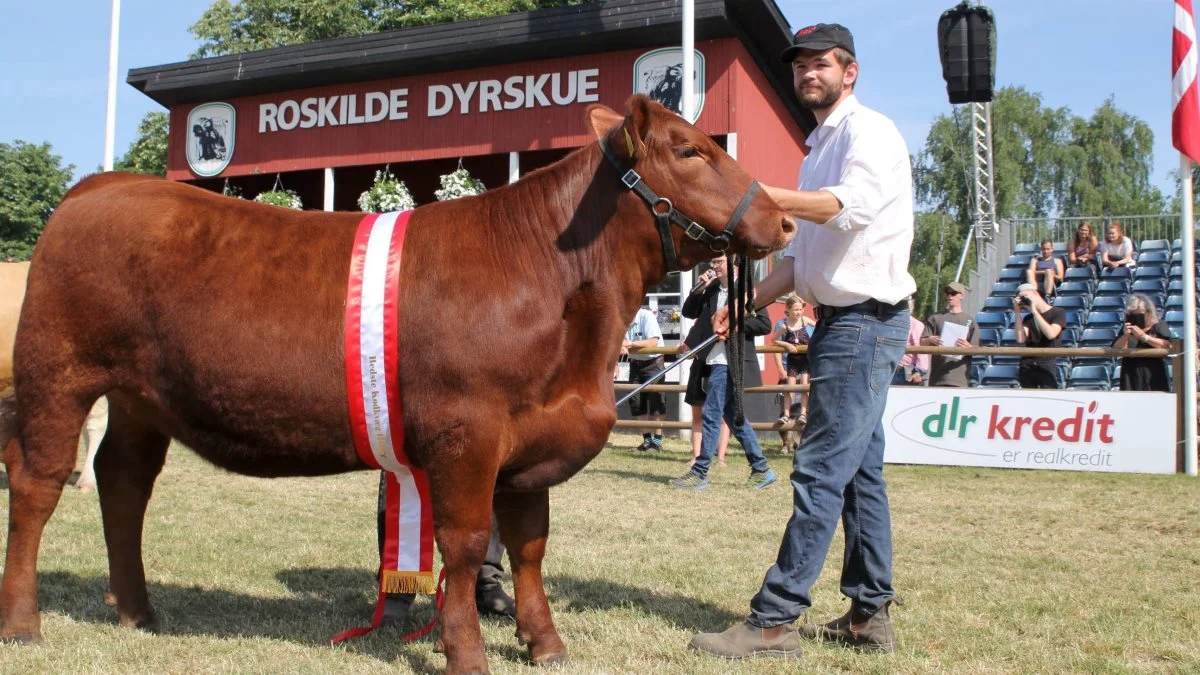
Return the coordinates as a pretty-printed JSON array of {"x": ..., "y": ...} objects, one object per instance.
[{"x": 871, "y": 306}]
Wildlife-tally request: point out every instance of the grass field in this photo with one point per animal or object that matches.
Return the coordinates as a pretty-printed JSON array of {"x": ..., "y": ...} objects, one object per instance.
[{"x": 1000, "y": 571}]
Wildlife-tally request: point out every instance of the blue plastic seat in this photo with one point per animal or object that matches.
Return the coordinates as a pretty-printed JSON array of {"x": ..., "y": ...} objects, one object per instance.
[
  {"x": 1080, "y": 274},
  {"x": 1097, "y": 378},
  {"x": 1154, "y": 245},
  {"x": 1156, "y": 258},
  {"x": 992, "y": 320},
  {"x": 1103, "y": 319},
  {"x": 1108, "y": 303},
  {"x": 1075, "y": 319},
  {"x": 1069, "y": 337},
  {"x": 1175, "y": 302},
  {"x": 1149, "y": 286},
  {"x": 997, "y": 304},
  {"x": 1018, "y": 261},
  {"x": 1027, "y": 248},
  {"x": 1151, "y": 272},
  {"x": 989, "y": 337},
  {"x": 1067, "y": 288},
  {"x": 1005, "y": 289},
  {"x": 1115, "y": 273},
  {"x": 1101, "y": 336},
  {"x": 1004, "y": 377},
  {"x": 1008, "y": 338},
  {"x": 1011, "y": 274},
  {"x": 1112, "y": 287},
  {"x": 1077, "y": 303}
]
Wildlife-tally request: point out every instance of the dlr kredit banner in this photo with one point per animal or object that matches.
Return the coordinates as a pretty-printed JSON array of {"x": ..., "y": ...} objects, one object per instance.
[{"x": 1031, "y": 429}]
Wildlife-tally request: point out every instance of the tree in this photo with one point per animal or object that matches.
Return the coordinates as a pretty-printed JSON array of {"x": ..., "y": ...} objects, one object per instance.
[
  {"x": 234, "y": 27},
  {"x": 1047, "y": 161},
  {"x": 32, "y": 182},
  {"x": 148, "y": 152}
]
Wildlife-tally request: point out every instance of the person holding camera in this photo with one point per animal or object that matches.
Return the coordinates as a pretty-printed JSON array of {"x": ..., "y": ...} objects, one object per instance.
[
  {"x": 1143, "y": 330},
  {"x": 1042, "y": 328}
]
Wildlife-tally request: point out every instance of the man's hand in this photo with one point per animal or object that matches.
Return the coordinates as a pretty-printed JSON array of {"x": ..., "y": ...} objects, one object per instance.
[
  {"x": 720, "y": 322},
  {"x": 960, "y": 343},
  {"x": 625, "y": 347}
]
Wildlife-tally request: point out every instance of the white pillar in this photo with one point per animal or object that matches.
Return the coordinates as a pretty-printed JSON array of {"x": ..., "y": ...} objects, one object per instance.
[
  {"x": 514, "y": 167},
  {"x": 1188, "y": 236},
  {"x": 110, "y": 123},
  {"x": 328, "y": 188},
  {"x": 689, "y": 59}
]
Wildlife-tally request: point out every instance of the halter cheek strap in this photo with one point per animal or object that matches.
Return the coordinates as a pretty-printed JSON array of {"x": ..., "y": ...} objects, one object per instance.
[{"x": 665, "y": 214}]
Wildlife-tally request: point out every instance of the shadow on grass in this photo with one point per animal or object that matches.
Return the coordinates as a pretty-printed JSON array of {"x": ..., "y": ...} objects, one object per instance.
[
  {"x": 683, "y": 612},
  {"x": 654, "y": 479},
  {"x": 325, "y": 602}
]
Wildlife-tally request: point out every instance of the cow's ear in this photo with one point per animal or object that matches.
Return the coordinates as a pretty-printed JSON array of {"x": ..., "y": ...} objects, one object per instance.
[
  {"x": 602, "y": 120},
  {"x": 638, "y": 124}
]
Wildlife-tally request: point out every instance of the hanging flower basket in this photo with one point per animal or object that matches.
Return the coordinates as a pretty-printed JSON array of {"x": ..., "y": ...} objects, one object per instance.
[
  {"x": 386, "y": 194},
  {"x": 285, "y": 198},
  {"x": 458, "y": 184}
]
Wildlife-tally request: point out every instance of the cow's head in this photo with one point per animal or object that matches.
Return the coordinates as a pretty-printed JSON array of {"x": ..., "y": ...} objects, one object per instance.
[{"x": 681, "y": 164}]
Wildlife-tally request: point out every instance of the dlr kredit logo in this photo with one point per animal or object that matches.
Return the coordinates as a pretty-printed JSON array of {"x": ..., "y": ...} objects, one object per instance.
[{"x": 1079, "y": 427}]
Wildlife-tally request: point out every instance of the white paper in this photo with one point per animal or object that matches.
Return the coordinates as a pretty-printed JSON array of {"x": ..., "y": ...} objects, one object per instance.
[{"x": 951, "y": 334}]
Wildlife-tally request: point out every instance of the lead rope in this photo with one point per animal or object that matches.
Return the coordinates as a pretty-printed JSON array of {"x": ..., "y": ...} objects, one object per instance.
[{"x": 735, "y": 347}]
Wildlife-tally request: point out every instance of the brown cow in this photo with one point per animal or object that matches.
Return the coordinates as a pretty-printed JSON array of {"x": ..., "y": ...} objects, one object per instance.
[{"x": 220, "y": 323}]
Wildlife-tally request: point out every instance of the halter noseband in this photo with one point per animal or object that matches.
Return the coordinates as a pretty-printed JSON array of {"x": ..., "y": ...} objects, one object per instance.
[{"x": 665, "y": 214}]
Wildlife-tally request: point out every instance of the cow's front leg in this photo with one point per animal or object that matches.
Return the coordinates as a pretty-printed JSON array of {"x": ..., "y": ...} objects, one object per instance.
[
  {"x": 524, "y": 520},
  {"x": 463, "y": 529}
]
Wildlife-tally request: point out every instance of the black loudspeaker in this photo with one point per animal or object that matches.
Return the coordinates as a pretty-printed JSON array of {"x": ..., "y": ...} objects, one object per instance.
[{"x": 967, "y": 46}]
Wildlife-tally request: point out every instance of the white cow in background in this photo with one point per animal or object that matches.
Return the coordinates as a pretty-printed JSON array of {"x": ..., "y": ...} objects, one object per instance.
[{"x": 12, "y": 294}]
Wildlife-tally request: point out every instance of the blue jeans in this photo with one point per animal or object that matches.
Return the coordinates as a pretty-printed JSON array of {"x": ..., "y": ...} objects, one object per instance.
[
  {"x": 718, "y": 402},
  {"x": 838, "y": 469}
]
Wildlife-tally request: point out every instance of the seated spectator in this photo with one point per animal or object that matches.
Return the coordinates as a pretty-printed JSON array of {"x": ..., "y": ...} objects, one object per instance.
[
  {"x": 912, "y": 368},
  {"x": 791, "y": 332},
  {"x": 1042, "y": 328},
  {"x": 1081, "y": 250},
  {"x": 1116, "y": 250},
  {"x": 950, "y": 370},
  {"x": 1143, "y": 330},
  {"x": 1046, "y": 270},
  {"x": 644, "y": 332}
]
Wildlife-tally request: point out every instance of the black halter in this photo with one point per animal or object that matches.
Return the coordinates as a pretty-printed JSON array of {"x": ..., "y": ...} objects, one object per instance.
[{"x": 665, "y": 214}]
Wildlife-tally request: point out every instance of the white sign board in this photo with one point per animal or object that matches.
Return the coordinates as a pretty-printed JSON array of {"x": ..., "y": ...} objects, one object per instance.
[{"x": 1031, "y": 429}]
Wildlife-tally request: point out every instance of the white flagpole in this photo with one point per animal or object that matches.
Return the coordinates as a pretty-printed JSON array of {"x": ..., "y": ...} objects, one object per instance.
[
  {"x": 110, "y": 127},
  {"x": 1188, "y": 237},
  {"x": 688, "y": 106}
]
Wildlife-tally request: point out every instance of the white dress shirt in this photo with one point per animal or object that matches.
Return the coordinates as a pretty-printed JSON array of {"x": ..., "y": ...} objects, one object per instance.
[
  {"x": 716, "y": 355},
  {"x": 862, "y": 252}
]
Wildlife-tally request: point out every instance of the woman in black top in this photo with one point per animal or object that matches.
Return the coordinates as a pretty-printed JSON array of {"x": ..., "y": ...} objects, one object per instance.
[{"x": 1143, "y": 330}]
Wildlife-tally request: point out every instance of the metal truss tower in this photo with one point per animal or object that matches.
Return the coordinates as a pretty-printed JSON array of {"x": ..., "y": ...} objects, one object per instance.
[{"x": 983, "y": 219}]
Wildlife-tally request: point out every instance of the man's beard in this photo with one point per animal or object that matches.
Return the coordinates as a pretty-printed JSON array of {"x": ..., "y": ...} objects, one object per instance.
[{"x": 820, "y": 101}]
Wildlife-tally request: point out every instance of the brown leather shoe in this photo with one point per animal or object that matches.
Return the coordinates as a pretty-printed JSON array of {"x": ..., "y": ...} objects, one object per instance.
[
  {"x": 874, "y": 632},
  {"x": 746, "y": 640}
]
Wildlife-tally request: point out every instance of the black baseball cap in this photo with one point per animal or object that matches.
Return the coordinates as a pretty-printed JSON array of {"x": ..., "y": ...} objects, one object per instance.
[{"x": 819, "y": 37}]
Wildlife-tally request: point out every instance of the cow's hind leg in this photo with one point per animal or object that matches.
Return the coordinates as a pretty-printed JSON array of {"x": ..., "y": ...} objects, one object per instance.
[
  {"x": 129, "y": 460},
  {"x": 40, "y": 460},
  {"x": 524, "y": 519}
]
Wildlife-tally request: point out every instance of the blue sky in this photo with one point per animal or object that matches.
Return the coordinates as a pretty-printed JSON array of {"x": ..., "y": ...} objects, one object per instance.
[{"x": 1076, "y": 53}]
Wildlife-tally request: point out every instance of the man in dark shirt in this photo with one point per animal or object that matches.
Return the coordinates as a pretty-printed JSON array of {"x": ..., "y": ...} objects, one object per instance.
[
  {"x": 1042, "y": 328},
  {"x": 950, "y": 371}
]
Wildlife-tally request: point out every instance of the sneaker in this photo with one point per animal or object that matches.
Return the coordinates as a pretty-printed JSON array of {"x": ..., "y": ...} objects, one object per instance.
[
  {"x": 802, "y": 419},
  {"x": 395, "y": 609},
  {"x": 689, "y": 481},
  {"x": 761, "y": 479},
  {"x": 745, "y": 641},
  {"x": 646, "y": 445},
  {"x": 656, "y": 445},
  {"x": 875, "y": 632}
]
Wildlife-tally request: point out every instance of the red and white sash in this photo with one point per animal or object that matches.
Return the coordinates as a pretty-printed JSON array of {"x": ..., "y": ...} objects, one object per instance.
[{"x": 372, "y": 349}]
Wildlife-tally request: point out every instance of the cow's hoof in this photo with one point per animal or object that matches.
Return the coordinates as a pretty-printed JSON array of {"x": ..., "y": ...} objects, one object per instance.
[
  {"x": 552, "y": 659},
  {"x": 24, "y": 639},
  {"x": 149, "y": 625}
]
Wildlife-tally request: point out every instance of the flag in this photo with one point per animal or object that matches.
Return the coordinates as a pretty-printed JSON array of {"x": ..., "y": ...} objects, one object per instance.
[{"x": 1185, "y": 118}]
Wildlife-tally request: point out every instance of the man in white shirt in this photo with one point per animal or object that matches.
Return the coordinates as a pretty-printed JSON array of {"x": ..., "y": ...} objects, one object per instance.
[
  {"x": 850, "y": 256},
  {"x": 644, "y": 332}
]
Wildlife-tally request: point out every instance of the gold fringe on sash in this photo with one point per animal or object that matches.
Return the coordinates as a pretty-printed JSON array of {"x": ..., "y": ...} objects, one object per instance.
[{"x": 395, "y": 582}]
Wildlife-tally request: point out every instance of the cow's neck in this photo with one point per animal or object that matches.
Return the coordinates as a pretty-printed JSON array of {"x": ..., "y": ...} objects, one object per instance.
[{"x": 597, "y": 233}]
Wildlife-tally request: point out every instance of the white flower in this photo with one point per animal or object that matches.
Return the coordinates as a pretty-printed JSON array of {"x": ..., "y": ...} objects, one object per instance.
[
  {"x": 386, "y": 194},
  {"x": 285, "y": 198},
  {"x": 458, "y": 184}
]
